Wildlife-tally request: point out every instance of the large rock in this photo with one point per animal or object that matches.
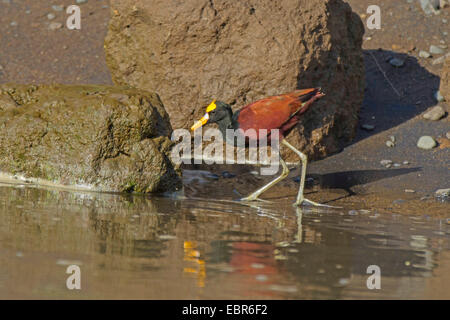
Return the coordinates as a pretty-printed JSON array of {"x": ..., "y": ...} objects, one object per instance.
[
  {"x": 99, "y": 137},
  {"x": 445, "y": 80},
  {"x": 193, "y": 51}
]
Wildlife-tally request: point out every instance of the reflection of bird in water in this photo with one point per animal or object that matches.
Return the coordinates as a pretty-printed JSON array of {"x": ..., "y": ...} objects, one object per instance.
[
  {"x": 257, "y": 263},
  {"x": 191, "y": 254},
  {"x": 278, "y": 112}
]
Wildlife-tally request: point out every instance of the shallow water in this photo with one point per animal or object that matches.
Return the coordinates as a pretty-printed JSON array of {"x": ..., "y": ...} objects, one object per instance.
[{"x": 166, "y": 248}]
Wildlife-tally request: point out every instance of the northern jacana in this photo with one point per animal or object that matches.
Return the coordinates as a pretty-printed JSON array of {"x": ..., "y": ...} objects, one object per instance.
[{"x": 277, "y": 112}]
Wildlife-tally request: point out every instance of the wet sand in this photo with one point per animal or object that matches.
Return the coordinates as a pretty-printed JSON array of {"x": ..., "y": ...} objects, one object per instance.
[{"x": 31, "y": 53}]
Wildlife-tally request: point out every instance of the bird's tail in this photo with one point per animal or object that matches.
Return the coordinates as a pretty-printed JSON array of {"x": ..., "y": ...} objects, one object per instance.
[
  {"x": 306, "y": 94},
  {"x": 303, "y": 99}
]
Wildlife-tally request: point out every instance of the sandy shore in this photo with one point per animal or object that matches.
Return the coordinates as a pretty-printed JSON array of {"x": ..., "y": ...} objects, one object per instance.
[{"x": 33, "y": 53}]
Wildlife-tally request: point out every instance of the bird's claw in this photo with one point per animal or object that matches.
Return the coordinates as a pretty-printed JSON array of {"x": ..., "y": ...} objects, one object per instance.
[
  {"x": 312, "y": 203},
  {"x": 250, "y": 198}
]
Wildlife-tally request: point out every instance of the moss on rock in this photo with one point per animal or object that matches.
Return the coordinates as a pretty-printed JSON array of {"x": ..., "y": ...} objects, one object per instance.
[{"x": 102, "y": 137}]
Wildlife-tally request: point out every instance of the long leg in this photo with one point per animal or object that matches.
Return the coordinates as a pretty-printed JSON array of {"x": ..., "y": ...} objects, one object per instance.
[
  {"x": 284, "y": 174},
  {"x": 304, "y": 159},
  {"x": 299, "y": 235}
]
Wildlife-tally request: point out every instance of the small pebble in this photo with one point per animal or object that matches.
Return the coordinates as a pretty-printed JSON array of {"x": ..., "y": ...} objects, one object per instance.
[
  {"x": 51, "y": 16},
  {"x": 426, "y": 143},
  {"x": 397, "y": 62},
  {"x": 57, "y": 8},
  {"x": 438, "y": 96},
  {"x": 390, "y": 144},
  {"x": 430, "y": 6},
  {"x": 81, "y": 1},
  {"x": 55, "y": 26},
  {"x": 405, "y": 163},
  {"x": 368, "y": 127},
  {"x": 385, "y": 162},
  {"x": 434, "y": 114},
  {"x": 448, "y": 135},
  {"x": 397, "y": 165},
  {"x": 14, "y": 24},
  {"x": 436, "y": 50},
  {"x": 392, "y": 138},
  {"x": 410, "y": 191},
  {"x": 424, "y": 54}
]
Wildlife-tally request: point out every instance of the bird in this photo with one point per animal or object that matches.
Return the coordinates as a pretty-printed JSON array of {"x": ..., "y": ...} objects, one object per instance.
[{"x": 281, "y": 112}]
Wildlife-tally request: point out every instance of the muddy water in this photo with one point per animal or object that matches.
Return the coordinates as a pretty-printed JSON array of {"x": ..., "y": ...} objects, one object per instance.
[{"x": 168, "y": 248}]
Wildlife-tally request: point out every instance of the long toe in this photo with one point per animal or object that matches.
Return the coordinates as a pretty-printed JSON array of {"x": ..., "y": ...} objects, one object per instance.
[
  {"x": 252, "y": 198},
  {"x": 315, "y": 204}
]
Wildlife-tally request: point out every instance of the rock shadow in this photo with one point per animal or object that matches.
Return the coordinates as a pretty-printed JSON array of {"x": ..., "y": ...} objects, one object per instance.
[
  {"x": 394, "y": 95},
  {"x": 348, "y": 179}
]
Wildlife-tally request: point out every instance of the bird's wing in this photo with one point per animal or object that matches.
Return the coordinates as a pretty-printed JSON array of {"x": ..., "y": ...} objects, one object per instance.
[
  {"x": 269, "y": 113},
  {"x": 273, "y": 112}
]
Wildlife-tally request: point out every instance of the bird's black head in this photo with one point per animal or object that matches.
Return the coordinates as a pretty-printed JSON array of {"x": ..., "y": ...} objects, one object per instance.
[
  {"x": 216, "y": 112},
  {"x": 221, "y": 112}
]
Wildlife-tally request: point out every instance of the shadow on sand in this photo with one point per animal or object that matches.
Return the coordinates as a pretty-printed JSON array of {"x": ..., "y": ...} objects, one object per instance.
[{"x": 394, "y": 95}]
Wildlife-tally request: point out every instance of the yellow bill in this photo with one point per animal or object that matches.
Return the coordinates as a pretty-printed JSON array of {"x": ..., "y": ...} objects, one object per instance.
[
  {"x": 205, "y": 118},
  {"x": 200, "y": 122}
]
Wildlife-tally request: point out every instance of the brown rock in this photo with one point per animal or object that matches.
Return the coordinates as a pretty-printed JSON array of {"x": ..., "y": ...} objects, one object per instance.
[
  {"x": 98, "y": 137},
  {"x": 445, "y": 80},
  {"x": 191, "y": 52}
]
